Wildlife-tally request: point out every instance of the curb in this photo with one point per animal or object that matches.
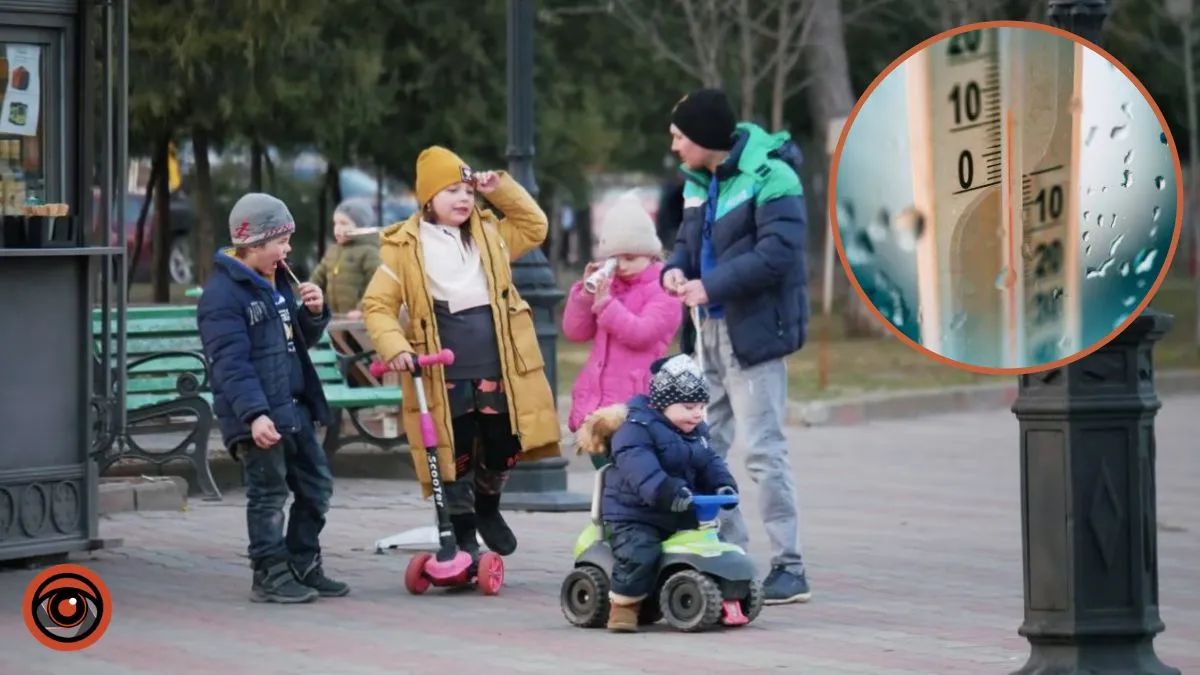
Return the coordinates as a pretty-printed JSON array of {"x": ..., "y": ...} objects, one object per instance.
[
  {"x": 141, "y": 493},
  {"x": 924, "y": 402}
]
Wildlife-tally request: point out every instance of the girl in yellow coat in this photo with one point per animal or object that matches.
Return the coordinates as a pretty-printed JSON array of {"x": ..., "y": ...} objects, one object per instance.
[{"x": 446, "y": 282}]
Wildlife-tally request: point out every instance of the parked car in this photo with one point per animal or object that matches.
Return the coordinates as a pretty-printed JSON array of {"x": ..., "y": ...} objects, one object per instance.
[{"x": 181, "y": 265}]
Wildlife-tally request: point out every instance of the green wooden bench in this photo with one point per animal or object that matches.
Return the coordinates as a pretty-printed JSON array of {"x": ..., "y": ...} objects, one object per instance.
[{"x": 167, "y": 377}]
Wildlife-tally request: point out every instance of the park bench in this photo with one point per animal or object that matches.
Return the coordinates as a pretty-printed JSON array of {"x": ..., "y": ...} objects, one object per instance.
[{"x": 168, "y": 391}]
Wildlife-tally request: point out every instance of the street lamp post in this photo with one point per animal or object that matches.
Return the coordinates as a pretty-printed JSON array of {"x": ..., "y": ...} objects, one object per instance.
[
  {"x": 1089, "y": 534},
  {"x": 534, "y": 485}
]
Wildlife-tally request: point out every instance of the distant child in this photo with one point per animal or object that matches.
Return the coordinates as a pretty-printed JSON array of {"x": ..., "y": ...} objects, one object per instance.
[
  {"x": 350, "y": 263},
  {"x": 446, "y": 282},
  {"x": 629, "y": 318},
  {"x": 660, "y": 457},
  {"x": 266, "y": 397}
]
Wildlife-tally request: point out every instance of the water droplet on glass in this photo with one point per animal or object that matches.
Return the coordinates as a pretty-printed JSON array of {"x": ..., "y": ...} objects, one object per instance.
[
  {"x": 1128, "y": 302},
  {"x": 957, "y": 323},
  {"x": 1120, "y": 320},
  {"x": 910, "y": 225},
  {"x": 878, "y": 229},
  {"x": 1089, "y": 189},
  {"x": 860, "y": 251},
  {"x": 1144, "y": 260},
  {"x": 1129, "y": 157},
  {"x": 1064, "y": 341},
  {"x": 1086, "y": 213},
  {"x": 1104, "y": 189},
  {"x": 1156, "y": 212},
  {"x": 1141, "y": 283},
  {"x": 1119, "y": 132},
  {"x": 1128, "y": 180},
  {"x": 1087, "y": 250},
  {"x": 1162, "y": 137},
  {"x": 1160, "y": 182},
  {"x": 1154, "y": 232},
  {"x": 1113, "y": 222},
  {"x": 1005, "y": 279},
  {"x": 1125, "y": 109},
  {"x": 1097, "y": 272},
  {"x": 1090, "y": 135},
  {"x": 1116, "y": 243},
  {"x": 1087, "y": 234},
  {"x": 1056, "y": 293},
  {"x": 1125, "y": 268},
  {"x": 1100, "y": 219}
]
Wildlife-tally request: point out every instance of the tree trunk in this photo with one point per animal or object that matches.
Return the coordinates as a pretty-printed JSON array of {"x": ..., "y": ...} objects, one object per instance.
[
  {"x": 333, "y": 189},
  {"x": 379, "y": 195},
  {"x": 256, "y": 167},
  {"x": 830, "y": 97},
  {"x": 1193, "y": 179},
  {"x": 202, "y": 200},
  {"x": 270, "y": 167},
  {"x": 747, "y": 75},
  {"x": 780, "y": 76},
  {"x": 140, "y": 238},
  {"x": 162, "y": 219}
]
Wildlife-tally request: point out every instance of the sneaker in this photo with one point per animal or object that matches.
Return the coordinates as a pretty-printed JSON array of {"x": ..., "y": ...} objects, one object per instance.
[
  {"x": 781, "y": 587},
  {"x": 314, "y": 577},
  {"x": 492, "y": 528},
  {"x": 275, "y": 583}
]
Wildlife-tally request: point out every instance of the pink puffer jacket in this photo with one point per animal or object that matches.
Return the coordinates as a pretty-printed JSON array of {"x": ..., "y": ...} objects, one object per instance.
[{"x": 633, "y": 329}]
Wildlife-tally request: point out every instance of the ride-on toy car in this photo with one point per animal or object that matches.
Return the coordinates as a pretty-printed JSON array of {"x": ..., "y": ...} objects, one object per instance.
[{"x": 702, "y": 581}]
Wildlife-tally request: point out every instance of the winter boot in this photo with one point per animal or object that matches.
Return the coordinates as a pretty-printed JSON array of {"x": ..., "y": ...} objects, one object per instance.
[
  {"x": 623, "y": 613},
  {"x": 492, "y": 528},
  {"x": 313, "y": 576},
  {"x": 464, "y": 528},
  {"x": 274, "y": 582}
]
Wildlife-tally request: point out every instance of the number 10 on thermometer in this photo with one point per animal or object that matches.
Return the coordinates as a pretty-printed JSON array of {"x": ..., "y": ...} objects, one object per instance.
[{"x": 994, "y": 120}]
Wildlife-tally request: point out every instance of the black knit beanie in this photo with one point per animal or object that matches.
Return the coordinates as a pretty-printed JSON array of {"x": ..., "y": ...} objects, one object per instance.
[
  {"x": 676, "y": 379},
  {"x": 706, "y": 118}
]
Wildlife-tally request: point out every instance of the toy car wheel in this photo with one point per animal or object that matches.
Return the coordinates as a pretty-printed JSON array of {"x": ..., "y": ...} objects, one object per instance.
[
  {"x": 415, "y": 581},
  {"x": 584, "y": 597},
  {"x": 690, "y": 601},
  {"x": 752, "y": 604},
  {"x": 650, "y": 613},
  {"x": 491, "y": 573}
]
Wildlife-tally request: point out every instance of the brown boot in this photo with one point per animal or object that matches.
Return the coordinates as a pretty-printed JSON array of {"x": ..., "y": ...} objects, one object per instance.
[{"x": 623, "y": 614}]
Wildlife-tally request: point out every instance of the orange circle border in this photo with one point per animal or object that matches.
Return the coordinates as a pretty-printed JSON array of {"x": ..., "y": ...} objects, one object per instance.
[
  {"x": 837, "y": 239},
  {"x": 56, "y": 570}
]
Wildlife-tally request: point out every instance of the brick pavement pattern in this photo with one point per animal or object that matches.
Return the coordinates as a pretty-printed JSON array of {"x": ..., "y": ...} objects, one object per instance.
[{"x": 911, "y": 533}]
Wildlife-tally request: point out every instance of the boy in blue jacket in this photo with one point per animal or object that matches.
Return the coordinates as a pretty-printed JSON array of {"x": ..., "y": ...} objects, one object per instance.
[
  {"x": 660, "y": 456},
  {"x": 266, "y": 396}
]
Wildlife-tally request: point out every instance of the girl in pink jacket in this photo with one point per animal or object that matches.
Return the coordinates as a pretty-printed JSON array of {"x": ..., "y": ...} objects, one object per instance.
[{"x": 629, "y": 317}]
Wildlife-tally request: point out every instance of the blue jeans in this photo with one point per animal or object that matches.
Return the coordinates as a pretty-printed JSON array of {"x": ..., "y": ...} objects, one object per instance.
[
  {"x": 751, "y": 403},
  {"x": 297, "y": 464},
  {"x": 636, "y": 549}
]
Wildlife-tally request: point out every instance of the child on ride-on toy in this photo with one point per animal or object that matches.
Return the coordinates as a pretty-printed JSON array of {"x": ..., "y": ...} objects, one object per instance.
[{"x": 660, "y": 456}]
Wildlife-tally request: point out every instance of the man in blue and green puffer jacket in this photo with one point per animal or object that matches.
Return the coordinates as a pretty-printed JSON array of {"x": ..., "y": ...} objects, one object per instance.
[{"x": 739, "y": 256}]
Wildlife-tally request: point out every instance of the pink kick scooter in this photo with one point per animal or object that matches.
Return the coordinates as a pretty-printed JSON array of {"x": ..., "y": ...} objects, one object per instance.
[{"x": 450, "y": 567}]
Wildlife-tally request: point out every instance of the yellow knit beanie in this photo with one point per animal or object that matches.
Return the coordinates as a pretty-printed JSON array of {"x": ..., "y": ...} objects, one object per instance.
[{"x": 438, "y": 169}]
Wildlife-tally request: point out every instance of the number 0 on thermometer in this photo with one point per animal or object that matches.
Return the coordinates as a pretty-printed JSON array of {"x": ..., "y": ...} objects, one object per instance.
[{"x": 994, "y": 134}]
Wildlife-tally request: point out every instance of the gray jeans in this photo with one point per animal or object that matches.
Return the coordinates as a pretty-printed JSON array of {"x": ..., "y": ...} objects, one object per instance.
[{"x": 751, "y": 403}]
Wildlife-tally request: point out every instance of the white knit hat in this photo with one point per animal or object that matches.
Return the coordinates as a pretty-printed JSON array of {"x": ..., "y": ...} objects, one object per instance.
[{"x": 627, "y": 229}]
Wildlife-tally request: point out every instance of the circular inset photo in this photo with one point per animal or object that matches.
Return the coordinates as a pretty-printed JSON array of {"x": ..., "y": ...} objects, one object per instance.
[{"x": 1006, "y": 196}]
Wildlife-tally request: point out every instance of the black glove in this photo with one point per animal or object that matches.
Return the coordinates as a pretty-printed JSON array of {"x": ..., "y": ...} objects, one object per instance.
[
  {"x": 682, "y": 501},
  {"x": 727, "y": 490}
]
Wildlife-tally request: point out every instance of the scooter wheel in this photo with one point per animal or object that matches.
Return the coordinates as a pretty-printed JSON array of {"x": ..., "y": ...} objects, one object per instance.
[
  {"x": 491, "y": 573},
  {"x": 415, "y": 581},
  {"x": 690, "y": 601}
]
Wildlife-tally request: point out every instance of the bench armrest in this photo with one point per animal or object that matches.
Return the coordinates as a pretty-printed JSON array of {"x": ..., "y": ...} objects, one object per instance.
[{"x": 186, "y": 383}]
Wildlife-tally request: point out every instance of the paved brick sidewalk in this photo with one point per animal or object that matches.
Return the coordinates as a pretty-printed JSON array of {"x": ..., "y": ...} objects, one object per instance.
[{"x": 911, "y": 531}]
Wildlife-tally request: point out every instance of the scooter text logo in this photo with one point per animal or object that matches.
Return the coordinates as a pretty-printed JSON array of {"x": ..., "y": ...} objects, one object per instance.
[{"x": 67, "y": 607}]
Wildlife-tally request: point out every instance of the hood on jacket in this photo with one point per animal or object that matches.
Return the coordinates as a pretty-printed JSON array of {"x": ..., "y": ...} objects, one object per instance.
[{"x": 238, "y": 270}]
